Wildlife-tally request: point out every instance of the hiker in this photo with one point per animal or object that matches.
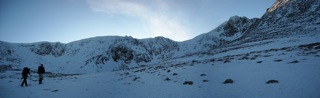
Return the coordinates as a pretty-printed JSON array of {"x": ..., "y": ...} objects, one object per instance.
[
  {"x": 25, "y": 73},
  {"x": 41, "y": 71}
]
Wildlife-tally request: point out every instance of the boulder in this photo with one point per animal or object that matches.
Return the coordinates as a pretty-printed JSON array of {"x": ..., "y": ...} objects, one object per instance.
[
  {"x": 272, "y": 81},
  {"x": 187, "y": 83},
  {"x": 228, "y": 81}
]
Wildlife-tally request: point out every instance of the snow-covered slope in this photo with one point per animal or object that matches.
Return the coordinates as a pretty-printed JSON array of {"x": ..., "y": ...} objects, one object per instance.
[
  {"x": 296, "y": 68},
  {"x": 287, "y": 18},
  {"x": 88, "y": 55},
  {"x": 228, "y": 31}
]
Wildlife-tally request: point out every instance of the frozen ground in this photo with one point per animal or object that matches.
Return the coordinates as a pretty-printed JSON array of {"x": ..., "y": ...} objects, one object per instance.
[{"x": 295, "y": 67}]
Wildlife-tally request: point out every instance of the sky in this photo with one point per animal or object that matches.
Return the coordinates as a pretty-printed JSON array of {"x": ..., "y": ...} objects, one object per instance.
[{"x": 27, "y": 21}]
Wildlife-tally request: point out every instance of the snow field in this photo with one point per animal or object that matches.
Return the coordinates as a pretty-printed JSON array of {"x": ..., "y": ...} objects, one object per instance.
[{"x": 296, "y": 80}]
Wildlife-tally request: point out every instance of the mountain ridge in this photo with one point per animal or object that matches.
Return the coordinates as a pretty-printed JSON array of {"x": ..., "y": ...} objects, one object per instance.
[{"x": 284, "y": 19}]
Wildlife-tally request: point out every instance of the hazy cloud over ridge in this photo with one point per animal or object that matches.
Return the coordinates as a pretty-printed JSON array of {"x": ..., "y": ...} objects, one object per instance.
[{"x": 155, "y": 13}]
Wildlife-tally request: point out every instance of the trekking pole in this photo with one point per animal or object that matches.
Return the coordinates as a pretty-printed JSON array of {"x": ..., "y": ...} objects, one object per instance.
[
  {"x": 30, "y": 80},
  {"x": 20, "y": 82}
]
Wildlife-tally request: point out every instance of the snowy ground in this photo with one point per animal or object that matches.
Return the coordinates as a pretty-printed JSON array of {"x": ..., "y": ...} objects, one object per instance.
[{"x": 296, "y": 68}]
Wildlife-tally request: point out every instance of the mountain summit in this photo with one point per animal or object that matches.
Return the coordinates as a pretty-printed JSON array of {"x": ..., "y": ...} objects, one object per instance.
[{"x": 276, "y": 5}]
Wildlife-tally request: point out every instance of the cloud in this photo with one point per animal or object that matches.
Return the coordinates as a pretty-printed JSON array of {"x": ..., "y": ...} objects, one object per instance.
[
  {"x": 116, "y": 6},
  {"x": 156, "y": 14}
]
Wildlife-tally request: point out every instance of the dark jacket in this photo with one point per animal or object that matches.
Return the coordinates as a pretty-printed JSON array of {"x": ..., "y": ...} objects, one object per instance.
[
  {"x": 25, "y": 72},
  {"x": 41, "y": 69}
]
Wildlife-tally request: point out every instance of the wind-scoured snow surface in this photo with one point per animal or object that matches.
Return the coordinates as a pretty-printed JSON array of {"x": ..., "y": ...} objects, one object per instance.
[{"x": 283, "y": 45}]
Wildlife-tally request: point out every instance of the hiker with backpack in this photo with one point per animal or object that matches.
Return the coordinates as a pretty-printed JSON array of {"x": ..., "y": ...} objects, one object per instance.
[
  {"x": 41, "y": 71},
  {"x": 25, "y": 73}
]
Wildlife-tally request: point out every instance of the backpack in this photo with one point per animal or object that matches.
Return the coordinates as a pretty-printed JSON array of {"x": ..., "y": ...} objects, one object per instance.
[
  {"x": 41, "y": 69},
  {"x": 25, "y": 71}
]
